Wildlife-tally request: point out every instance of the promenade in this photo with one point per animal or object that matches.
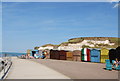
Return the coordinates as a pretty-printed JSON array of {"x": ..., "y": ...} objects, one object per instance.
[
  {"x": 58, "y": 69},
  {"x": 79, "y": 70},
  {"x": 25, "y": 69}
]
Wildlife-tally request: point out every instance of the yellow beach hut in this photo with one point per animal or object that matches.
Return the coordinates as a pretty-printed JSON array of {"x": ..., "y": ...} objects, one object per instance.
[{"x": 104, "y": 55}]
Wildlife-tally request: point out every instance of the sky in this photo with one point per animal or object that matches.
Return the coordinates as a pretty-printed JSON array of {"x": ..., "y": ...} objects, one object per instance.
[{"x": 29, "y": 24}]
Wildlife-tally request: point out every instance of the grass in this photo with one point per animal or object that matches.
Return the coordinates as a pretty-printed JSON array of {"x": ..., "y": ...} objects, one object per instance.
[{"x": 78, "y": 40}]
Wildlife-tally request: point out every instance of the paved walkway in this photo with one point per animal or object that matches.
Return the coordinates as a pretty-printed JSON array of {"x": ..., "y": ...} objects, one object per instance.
[
  {"x": 79, "y": 70},
  {"x": 25, "y": 69}
]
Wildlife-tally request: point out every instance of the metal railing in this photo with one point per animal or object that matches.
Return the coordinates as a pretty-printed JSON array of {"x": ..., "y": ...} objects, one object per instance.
[{"x": 5, "y": 66}]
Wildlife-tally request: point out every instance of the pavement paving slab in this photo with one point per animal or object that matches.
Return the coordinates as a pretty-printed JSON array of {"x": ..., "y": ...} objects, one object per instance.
[
  {"x": 79, "y": 70},
  {"x": 26, "y": 69}
]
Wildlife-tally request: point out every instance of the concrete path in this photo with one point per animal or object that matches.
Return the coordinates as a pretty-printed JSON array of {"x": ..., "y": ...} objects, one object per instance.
[
  {"x": 79, "y": 70},
  {"x": 25, "y": 69}
]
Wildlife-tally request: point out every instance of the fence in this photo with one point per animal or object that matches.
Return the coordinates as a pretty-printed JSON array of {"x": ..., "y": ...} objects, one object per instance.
[{"x": 5, "y": 66}]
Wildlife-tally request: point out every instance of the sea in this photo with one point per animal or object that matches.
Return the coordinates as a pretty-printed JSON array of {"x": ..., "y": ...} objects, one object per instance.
[{"x": 10, "y": 54}]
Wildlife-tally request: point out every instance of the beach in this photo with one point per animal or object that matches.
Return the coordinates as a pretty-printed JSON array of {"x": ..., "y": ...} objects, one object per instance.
[{"x": 58, "y": 69}]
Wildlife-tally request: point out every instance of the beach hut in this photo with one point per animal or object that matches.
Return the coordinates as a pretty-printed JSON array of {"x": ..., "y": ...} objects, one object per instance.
[
  {"x": 112, "y": 54},
  {"x": 76, "y": 55},
  {"x": 88, "y": 55},
  {"x": 62, "y": 55},
  {"x": 32, "y": 53},
  {"x": 69, "y": 56},
  {"x": 35, "y": 53},
  {"x": 55, "y": 54},
  {"x": 95, "y": 55},
  {"x": 40, "y": 53},
  {"x": 85, "y": 53},
  {"x": 118, "y": 53},
  {"x": 52, "y": 54},
  {"x": 104, "y": 55}
]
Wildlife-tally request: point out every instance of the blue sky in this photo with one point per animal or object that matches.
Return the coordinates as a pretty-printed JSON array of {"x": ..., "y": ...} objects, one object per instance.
[{"x": 30, "y": 24}]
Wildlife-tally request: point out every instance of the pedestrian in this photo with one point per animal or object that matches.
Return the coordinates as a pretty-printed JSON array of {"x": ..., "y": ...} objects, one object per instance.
[{"x": 116, "y": 62}]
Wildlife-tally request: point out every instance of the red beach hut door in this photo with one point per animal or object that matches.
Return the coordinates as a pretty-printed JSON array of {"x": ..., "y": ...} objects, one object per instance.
[{"x": 88, "y": 54}]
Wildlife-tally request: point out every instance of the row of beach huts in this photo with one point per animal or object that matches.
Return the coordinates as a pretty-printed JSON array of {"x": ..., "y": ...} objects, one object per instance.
[{"x": 84, "y": 55}]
